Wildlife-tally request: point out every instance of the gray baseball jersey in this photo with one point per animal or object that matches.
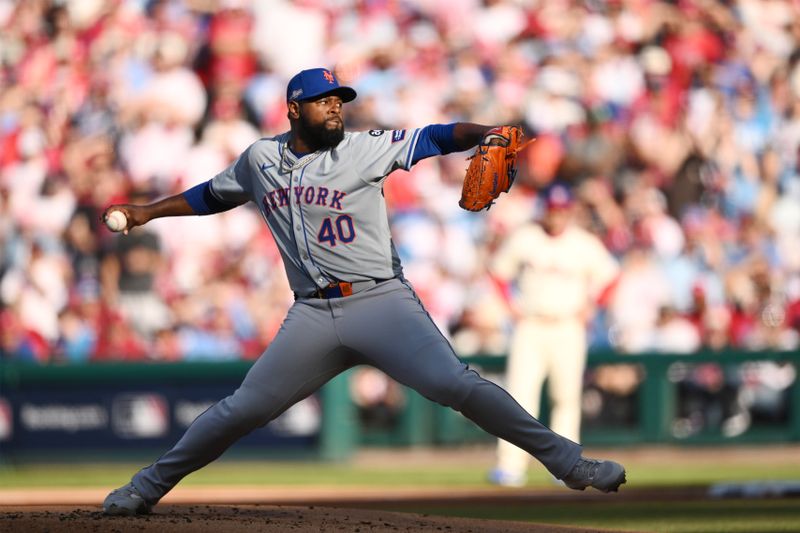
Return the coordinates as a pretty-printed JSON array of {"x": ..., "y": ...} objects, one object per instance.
[
  {"x": 324, "y": 209},
  {"x": 328, "y": 217}
]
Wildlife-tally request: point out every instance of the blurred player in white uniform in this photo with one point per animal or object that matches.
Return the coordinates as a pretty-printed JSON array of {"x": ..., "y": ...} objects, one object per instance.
[{"x": 552, "y": 273}]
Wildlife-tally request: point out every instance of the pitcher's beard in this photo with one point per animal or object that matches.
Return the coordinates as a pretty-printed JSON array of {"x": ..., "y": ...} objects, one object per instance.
[{"x": 319, "y": 136}]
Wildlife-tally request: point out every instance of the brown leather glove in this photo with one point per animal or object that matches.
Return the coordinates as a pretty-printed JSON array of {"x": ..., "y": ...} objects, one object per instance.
[{"x": 492, "y": 168}]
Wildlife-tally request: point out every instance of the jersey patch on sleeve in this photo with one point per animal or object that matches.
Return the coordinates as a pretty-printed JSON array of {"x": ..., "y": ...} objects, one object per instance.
[
  {"x": 398, "y": 135},
  {"x": 376, "y": 133}
]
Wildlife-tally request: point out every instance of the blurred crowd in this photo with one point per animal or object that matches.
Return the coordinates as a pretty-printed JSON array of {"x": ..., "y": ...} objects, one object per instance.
[{"x": 677, "y": 123}]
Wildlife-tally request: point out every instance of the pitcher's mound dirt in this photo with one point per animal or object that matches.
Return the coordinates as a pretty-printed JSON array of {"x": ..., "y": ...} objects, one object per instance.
[{"x": 250, "y": 518}]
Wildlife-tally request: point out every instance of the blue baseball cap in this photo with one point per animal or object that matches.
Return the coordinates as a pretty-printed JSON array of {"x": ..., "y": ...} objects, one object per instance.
[
  {"x": 558, "y": 195},
  {"x": 311, "y": 83}
]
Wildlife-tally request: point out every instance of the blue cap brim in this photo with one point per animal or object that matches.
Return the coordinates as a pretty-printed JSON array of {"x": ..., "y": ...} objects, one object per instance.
[{"x": 347, "y": 94}]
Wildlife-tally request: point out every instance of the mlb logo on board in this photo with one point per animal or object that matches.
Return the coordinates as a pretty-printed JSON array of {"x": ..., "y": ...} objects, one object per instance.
[
  {"x": 398, "y": 135},
  {"x": 140, "y": 416}
]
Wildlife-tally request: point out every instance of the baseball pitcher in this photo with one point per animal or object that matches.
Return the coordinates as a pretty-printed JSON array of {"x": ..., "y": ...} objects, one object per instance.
[{"x": 319, "y": 191}]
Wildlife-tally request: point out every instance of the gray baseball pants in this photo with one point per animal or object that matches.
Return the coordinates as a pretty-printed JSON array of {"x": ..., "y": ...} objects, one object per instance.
[{"x": 385, "y": 326}]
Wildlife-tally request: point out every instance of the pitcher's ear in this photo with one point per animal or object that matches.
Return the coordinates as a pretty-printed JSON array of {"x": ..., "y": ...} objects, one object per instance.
[{"x": 294, "y": 109}]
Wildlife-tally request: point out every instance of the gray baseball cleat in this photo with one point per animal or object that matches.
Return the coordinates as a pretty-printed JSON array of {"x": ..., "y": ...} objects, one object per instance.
[
  {"x": 605, "y": 476},
  {"x": 125, "y": 501}
]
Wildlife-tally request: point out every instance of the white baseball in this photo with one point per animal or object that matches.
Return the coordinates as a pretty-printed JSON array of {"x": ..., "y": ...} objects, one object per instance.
[{"x": 116, "y": 221}]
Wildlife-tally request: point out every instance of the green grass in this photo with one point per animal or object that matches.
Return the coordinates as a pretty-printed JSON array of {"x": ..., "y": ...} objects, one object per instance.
[
  {"x": 666, "y": 475},
  {"x": 640, "y": 474},
  {"x": 245, "y": 473}
]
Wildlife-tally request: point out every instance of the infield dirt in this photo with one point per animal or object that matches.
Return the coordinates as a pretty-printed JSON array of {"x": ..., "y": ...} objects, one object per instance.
[{"x": 250, "y": 518}]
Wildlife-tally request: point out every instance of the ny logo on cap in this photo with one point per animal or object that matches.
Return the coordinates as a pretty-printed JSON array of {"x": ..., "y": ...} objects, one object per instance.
[{"x": 328, "y": 76}]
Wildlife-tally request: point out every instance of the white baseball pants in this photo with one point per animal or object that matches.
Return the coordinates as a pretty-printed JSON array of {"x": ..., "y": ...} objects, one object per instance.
[{"x": 545, "y": 349}]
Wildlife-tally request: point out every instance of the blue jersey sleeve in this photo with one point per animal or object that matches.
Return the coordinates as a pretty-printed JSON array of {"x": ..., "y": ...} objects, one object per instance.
[
  {"x": 203, "y": 202},
  {"x": 436, "y": 139}
]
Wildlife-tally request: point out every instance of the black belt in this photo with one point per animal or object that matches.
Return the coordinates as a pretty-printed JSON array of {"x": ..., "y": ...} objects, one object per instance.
[{"x": 341, "y": 289}]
